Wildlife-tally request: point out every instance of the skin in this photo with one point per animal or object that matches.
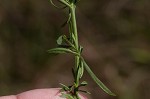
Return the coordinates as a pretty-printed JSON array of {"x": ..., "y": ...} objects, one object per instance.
[{"x": 52, "y": 93}]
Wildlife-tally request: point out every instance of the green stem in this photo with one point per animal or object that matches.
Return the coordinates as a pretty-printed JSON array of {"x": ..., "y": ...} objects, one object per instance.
[
  {"x": 77, "y": 58},
  {"x": 74, "y": 24}
]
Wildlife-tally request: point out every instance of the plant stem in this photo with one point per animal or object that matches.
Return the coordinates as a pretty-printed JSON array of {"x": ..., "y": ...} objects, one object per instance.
[
  {"x": 72, "y": 46},
  {"x": 74, "y": 24},
  {"x": 77, "y": 58}
]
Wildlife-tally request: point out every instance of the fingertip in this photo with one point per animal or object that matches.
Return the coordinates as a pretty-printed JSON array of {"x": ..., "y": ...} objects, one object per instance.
[
  {"x": 8, "y": 97},
  {"x": 52, "y": 93}
]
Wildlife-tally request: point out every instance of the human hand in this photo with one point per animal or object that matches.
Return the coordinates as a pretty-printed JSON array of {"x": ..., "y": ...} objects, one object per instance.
[{"x": 52, "y": 93}]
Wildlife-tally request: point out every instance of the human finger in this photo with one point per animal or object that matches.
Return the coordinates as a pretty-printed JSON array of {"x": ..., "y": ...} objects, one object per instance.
[{"x": 52, "y": 93}]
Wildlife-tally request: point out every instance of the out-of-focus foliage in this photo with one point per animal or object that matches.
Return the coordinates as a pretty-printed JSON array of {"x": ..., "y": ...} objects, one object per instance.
[{"x": 114, "y": 33}]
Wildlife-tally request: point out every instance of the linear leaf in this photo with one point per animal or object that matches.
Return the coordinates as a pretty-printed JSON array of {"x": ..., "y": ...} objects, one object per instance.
[
  {"x": 84, "y": 83},
  {"x": 67, "y": 21},
  {"x": 68, "y": 41},
  {"x": 81, "y": 65},
  {"x": 78, "y": 74},
  {"x": 66, "y": 88},
  {"x": 85, "y": 91},
  {"x": 61, "y": 50},
  {"x": 64, "y": 2},
  {"x": 67, "y": 96},
  {"x": 51, "y": 1},
  {"x": 99, "y": 83}
]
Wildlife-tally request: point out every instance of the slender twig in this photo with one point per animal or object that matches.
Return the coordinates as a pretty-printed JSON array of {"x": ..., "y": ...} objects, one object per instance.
[{"x": 70, "y": 45}]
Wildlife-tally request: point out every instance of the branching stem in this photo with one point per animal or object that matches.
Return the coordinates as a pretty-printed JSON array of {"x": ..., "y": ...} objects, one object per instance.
[{"x": 73, "y": 47}]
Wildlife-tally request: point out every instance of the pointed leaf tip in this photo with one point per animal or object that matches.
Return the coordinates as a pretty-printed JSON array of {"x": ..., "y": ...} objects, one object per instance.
[{"x": 98, "y": 82}]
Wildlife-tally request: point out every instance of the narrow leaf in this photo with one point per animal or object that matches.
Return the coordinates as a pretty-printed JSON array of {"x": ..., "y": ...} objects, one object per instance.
[
  {"x": 85, "y": 91},
  {"x": 66, "y": 88},
  {"x": 84, "y": 83},
  {"x": 51, "y": 1},
  {"x": 66, "y": 22},
  {"x": 73, "y": 37},
  {"x": 69, "y": 18},
  {"x": 80, "y": 49},
  {"x": 68, "y": 41},
  {"x": 67, "y": 96},
  {"x": 99, "y": 83},
  {"x": 64, "y": 2},
  {"x": 61, "y": 50},
  {"x": 78, "y": 73},
  {"x": 81, "y": 68}
]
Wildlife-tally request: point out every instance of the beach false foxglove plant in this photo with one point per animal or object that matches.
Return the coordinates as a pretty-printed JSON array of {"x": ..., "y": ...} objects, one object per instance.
[{"x": 69, "y": 44}]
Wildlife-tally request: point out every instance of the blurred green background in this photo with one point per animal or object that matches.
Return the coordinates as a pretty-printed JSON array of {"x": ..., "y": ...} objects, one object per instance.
[{"x": 115, "y": 35}]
